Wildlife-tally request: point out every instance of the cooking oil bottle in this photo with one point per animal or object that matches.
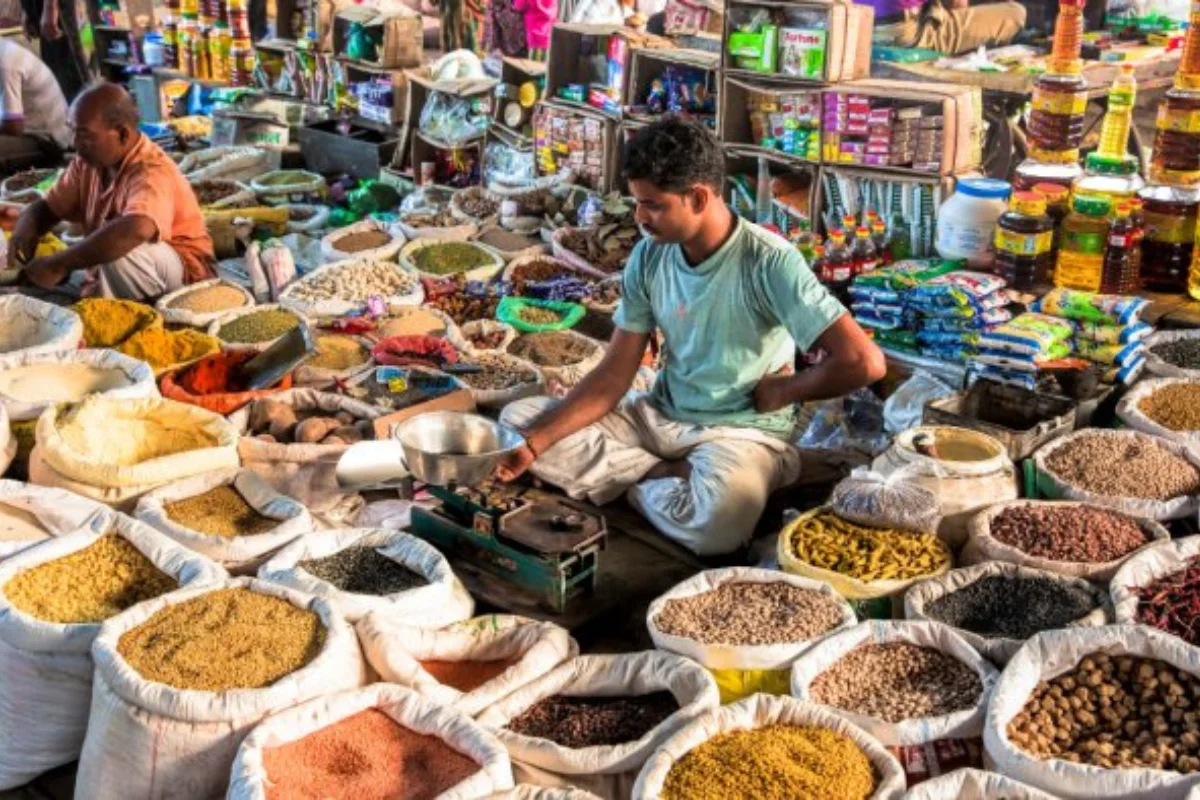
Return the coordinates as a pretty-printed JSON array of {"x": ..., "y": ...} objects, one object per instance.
[
  {"x": 1169, "y": 214},
  {"x": 1111, "y": 171},
  {"x": 1082, "y": 245},
  {"x": 1176, "y": 157}
]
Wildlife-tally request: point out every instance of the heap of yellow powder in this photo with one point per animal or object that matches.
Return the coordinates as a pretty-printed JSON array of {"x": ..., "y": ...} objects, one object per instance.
[
  {"x": 162, "y": 348},
  {"x": 107, "y": 323}
]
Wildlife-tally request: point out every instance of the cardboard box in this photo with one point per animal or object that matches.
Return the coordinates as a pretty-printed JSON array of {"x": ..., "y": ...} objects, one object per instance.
[
  {"x": 515, "y": 73},
  {"x": 690, "y": 17},
  {"x": 560, "y": 127},
  {"x": 420, "y": 87},
  {"x": 745, "y": 161},
  {"x": 649, "y": 63},
  {"x": 499, "y": 135},
  {"x": 961, "y": 109},
  {"x": 736, "y": 123},
  {"x": 399, "y": 31},
  {"x": 424, "y": 149},
  {"x": 942, "y": 187},
  {"x": 250, "y": 128},
  {"x": 360, "y": 72},
  {"x": 587, "y": 56},
  {"x": 846, "y": 28}
]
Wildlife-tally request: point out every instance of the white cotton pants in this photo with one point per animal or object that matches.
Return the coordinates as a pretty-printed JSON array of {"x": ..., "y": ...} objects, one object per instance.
[
  {"x": 146, "y": 272},
  {"x": 712, "y": 512}
]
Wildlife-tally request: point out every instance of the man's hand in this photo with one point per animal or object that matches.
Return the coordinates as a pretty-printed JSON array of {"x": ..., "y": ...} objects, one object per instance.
[
  {"x": 772, "y": 393},
  {"x": 23, "y": 243},
  {"x": 50, "y": 29},
  {"x": 44, "y": 272},
  {"x": 515, "y": 463}
]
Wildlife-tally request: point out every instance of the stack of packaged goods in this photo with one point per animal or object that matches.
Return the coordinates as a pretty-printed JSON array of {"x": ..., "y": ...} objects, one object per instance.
[
  {"x": 1014, "y": 352},
  {"x": 1105, "y": 330},
  {"x": 953, "y": 311}
]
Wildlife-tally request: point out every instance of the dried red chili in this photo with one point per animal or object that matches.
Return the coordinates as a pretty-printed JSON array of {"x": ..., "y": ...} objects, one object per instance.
[{"x": 1172, "y": 603}]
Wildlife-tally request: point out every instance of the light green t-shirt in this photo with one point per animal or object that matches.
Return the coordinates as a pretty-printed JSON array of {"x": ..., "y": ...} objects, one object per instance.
[{"x": 727, "y": 322}]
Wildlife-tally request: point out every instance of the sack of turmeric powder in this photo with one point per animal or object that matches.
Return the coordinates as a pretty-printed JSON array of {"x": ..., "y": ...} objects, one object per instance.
[
  {"x": 108, "y": 322},
  {"x": 211, "y": 383},
  {"x": 166, "y": 350}
]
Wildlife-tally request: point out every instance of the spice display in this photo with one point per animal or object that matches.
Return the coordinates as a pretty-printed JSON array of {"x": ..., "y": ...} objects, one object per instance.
[
  {"x": 1172, "y": 603},
  {"x": 415, "y": 322},
  {"x": 1011, "y": 607},
  {"x": 448, "y": 258},
  {"x": 743, "y": 614},
  {"x": 63, "y": 382},
  {"x": 210, "y": 192},
  {"x": 258, "y": 326},
  {"x": 486, "y": 340},
  {"x": 553, "y": 348},
  {"x": 776, "y": 762},
  {"x": 497, "y": 374},
  {"x": 107, "y": 323},
  {"x": 354, "y": 282},
  {"x": 337, "y": 352},
  {"x": 367, "y": 755},
  {"x": 1116, "y": 712},
  {"x": 594, "y": 721},
  {"x": 221, "y": 511},
  {"x": 463, "y": 307},
  {"x": 1068, "y": 533},
  {"x": 18, "y": 525},
  {"x": 26, "y": 179},
  {"x": 90, "y": 585},
  {"x": 362, "y": 240},
  {"x": 895, "y": 681},
  {"x": 606, "y": 247},
  {"x": 218, "y": 297},
  {"x": 423, "y": 219},
  {"x": 534, "y": 271},
  {"x": 506, "y": 241},
  {"x": 536, "y": 315},
  {"x": 477, "y": 202},
  {"x": 1182, "y": 353},
  {"x": 605, "y": 293},
  {"x": 300, "y": 213},
  {"x": 161, "y": 348},
  {"x": 273, "y": 421},
  {"x": 466, "y": 675},
  {"x": 1123, "y": 466},
  {"x": 867, "y": 554},
  {"x": 1175, "y": 406},
  {"x": 360, "y": 569},
  {"x": 224, "y": 639}
]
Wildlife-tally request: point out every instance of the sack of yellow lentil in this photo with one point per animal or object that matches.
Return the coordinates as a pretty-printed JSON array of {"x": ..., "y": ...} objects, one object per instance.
[
  {"x": 917, "y": 687},
  {"x": 197, "y": 305},
  {"x": 230, "y": 515},
  {"x": 182, "y": 679},
  {"x": 870, "y": 567},
  {"x": 463, "y": 760},
  {"x": 306, "y": 472},
  {"x": 254, "y": 328},
  {"x": 368, "y": 240},
  {"x": 745, "y": 625},
  {"x": 770, "y": 748},
  {"x": 680, "y": 690},
  {"x": 1027, "y": 714},
  {"x": 33, "y": 326},
  {"x": 53, "y": 598},
  {"x": 114, "y": 451},
  {"x": 1165, "y": 407},
  {"x": 31, "y": 382},
  {"x": 975, "y": 784},
  {"x": 337, "y": 358},
  {"x": 1032, "y": 541},
  {"x": 420, "y": 588},
  {"x": 32, "y": 514},
  {"x": 460, "y": 667}
]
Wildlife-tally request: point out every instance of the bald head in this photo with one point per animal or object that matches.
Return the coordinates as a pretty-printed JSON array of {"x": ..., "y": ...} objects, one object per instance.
[{"x": 105, "y": 120}]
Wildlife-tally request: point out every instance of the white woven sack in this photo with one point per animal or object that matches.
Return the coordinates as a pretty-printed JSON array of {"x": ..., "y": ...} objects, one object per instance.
[
  {"x": 606, "y": 771},
  {"x": 215, "y": 326},
  {"x": 1174, "y": 508},
  {"x": 443, "y": 601},
  {"x": 239, "y": 554},
  {"x": 1049, "y": 655},
  {"x": 1132, "y": 416},
  {"x": 250, "y": 781},
  {"x": 568, "y": 268},
  {"x": 727, "y": 656},
  {"x": 570, "y": 374},
  {"x": 997, "y": 649},
  {"x": 1157, "y": 367},
  {"x": 453, "y": 334},
  {"x": 934, "y": 635},
  {"x": 395, "y": 649},
  {"x": 309, "y": 186},
  {"x": 46, "y": 667},
  {"x": 498, "y": 398},
  {"x": 57, "y": 511},
  {"x": 305, "y": 472},
  {"x": 311, "y": 225},
  {"x": 760, "y": 711},
  {"x": 117, "y": 498},
  {"x": 150, "y": 740},
  {"x": 336, "y": 307},
  {"x": 322, "y": 378},
  {"x": 974, "y": 784},
  {"x": 34, "y": 326},
  {"x": 1149, "y": 565},
  {"x": 486, "y": 326},
  {"x": 525, "y": 791},
  {"x": 198, "y": 319},
  {"x": 983, "y": 547},
  {"x": 330, "y": 254},
  {"x": 140, "y": 377},
  {"x": 485, "y": 273},
  {"x": 450, "y": 233},
  {"x": 229, "y": 162},
  {"x": 8, "y": 443},
  {"x": 241, "y": 198},
  {"x": 562, "y": 253}
]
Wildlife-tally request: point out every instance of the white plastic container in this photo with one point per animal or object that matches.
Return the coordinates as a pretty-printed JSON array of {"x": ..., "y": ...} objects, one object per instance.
[{"x": 966, "y": 222}]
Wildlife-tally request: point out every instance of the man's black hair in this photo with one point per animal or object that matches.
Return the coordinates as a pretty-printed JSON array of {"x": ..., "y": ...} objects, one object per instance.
[{"x": 675, "y": 154}]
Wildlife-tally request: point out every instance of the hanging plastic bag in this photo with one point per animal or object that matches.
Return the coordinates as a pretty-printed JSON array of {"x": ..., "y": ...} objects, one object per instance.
[
  {"x": 871, "y": 499},
  {"x": 906, "y": 406}
]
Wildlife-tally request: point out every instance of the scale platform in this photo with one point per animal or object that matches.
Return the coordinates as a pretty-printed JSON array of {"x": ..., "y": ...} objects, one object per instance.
[{"x": 546, "y": 550}]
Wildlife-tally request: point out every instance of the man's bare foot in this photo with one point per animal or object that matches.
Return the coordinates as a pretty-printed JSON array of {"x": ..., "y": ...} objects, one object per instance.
[{"x": 671, "y": 469}]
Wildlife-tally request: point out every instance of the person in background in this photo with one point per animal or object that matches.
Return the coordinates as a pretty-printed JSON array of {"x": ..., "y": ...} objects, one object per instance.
[
  {"x": 540, "y": 16},
  {"x": 55, "y": 24},
  {"x": 699, "y": 454},
  {"x": 144, "y": 233},
  {"x": 948, "y": 26},
  {"x": 33, "y": 111}
]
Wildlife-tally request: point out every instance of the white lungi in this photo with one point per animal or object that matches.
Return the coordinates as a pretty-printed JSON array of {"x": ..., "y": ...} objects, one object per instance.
[
  {"x": 146, "y": 272},
  {"x": 712, "y": 512}
]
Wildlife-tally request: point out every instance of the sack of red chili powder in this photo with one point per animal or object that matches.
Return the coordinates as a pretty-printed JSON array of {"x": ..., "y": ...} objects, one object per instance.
[{"x": 211, "y": 383}]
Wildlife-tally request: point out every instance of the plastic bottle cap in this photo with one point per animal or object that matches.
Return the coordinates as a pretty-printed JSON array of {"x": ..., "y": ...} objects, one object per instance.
[
  {"x": 1124, "y": 209},
  {"x": 1107, "y": 165},
  {"x": 862, "y": 232},
  {"x": 1051, "y": 191},
  {"x": 1029, "y": 204},
  {"x": 819, "y": 250},
  {"x": 1092, "y": 206},
  {"x": 878, "y": 225},
  {"x": 988, "y": 188}
]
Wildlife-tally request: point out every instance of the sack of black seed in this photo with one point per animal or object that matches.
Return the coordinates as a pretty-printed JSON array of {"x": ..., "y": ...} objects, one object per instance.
[
  {"x": 996, "y": 607},
  {"x": 1173, "y": 354},
  {"x": 360, "y": 570},
  {"x": 879, "y": 501}
]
